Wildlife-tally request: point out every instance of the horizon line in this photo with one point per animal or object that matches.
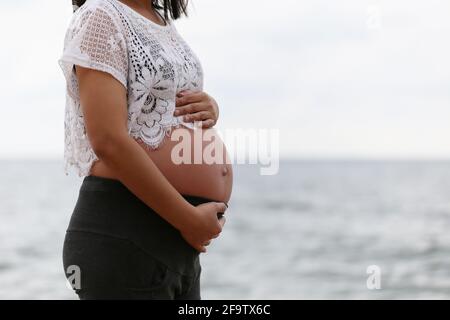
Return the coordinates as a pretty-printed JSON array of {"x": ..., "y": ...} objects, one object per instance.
[{"x": 282, "y": 159}]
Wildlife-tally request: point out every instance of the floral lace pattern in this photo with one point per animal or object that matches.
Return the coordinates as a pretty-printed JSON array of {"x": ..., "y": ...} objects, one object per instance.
[{"x": 152, "y": 61}]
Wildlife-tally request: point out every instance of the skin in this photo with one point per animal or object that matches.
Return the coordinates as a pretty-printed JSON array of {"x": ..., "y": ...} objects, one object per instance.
[{"x": 104, "y": 106}]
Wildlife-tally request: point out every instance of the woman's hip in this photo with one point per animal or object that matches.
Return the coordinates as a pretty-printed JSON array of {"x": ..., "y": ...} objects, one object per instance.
[
  {"x": 113, "y": 268},
  {"x": 107, "y": 207}
]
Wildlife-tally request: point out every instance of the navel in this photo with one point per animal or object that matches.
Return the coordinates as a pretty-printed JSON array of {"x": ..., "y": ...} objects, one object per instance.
[{"x": 224, "y": 170}]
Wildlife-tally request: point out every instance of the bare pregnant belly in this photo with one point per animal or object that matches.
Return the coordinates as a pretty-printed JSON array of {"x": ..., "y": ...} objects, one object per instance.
[{"x": 190, "y": 177}]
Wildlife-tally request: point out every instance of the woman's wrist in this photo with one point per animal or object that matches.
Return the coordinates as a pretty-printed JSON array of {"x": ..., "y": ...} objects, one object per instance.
[{"x": 188, "y": 218}]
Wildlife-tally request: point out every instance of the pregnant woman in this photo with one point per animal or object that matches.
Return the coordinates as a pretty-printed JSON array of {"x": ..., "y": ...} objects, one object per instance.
[{"x": 142, "y": 217}]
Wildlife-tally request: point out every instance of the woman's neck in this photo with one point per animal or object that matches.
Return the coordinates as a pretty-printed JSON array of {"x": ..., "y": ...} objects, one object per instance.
[{"x": 144, "y": 4}]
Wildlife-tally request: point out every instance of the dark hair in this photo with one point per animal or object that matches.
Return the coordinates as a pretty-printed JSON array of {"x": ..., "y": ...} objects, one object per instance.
[{"x": 174, "y": 8}]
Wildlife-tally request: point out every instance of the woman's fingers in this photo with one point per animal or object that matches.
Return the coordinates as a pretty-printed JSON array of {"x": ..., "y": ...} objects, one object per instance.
[
  {"x": 188, "y": 98},
  {"x": 209, "y": 123},
  {"x": 183, "y": 93},
  {"x": 190, "y": 108},
  {"x": 197, "y": 106},
  {"x": 216, "y": 235},
  {"x": 199, "y": 116},
  {"x": 221, "y": 207},
  {"x": 216, "y": 208}
]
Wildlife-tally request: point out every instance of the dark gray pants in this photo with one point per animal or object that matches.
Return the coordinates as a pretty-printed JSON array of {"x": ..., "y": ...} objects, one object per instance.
[{"x": 125, "y": 250}]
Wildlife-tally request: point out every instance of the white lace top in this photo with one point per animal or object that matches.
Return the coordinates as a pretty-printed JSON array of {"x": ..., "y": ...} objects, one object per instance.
[{"x": 150, "y": 60}]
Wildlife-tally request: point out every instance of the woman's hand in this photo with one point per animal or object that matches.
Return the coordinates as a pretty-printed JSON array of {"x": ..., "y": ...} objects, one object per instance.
[
  {"x": 197, "y": 106},
  {"x": 205, "y": 225}
]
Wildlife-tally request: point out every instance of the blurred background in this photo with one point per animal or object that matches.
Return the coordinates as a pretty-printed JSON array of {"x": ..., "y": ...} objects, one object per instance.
[{"x": 359, "y": 91}]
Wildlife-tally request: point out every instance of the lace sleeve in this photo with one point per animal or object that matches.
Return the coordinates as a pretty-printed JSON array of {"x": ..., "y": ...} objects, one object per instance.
[{"x": 94, "y": 40}]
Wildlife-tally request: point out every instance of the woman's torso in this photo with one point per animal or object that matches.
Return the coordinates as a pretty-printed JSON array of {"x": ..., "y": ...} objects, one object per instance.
[
  {"x": 161, "y": 64},
  {"x": 213, "y": 181}
]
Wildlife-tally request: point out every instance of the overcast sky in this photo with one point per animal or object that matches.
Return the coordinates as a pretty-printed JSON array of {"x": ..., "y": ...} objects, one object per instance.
[{"x": 349, "y": 78}]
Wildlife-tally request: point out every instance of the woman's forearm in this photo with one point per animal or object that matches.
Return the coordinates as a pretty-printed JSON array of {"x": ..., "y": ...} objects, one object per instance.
[{"x": 136, "y": 170}]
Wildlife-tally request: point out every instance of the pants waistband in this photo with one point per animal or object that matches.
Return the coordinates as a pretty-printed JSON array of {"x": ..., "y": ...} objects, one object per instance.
[{"x": 97, "y": 183}]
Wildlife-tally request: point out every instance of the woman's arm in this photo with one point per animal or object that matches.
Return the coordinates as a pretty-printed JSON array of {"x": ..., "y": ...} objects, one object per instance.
[{"x": 104, "y": 102}]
